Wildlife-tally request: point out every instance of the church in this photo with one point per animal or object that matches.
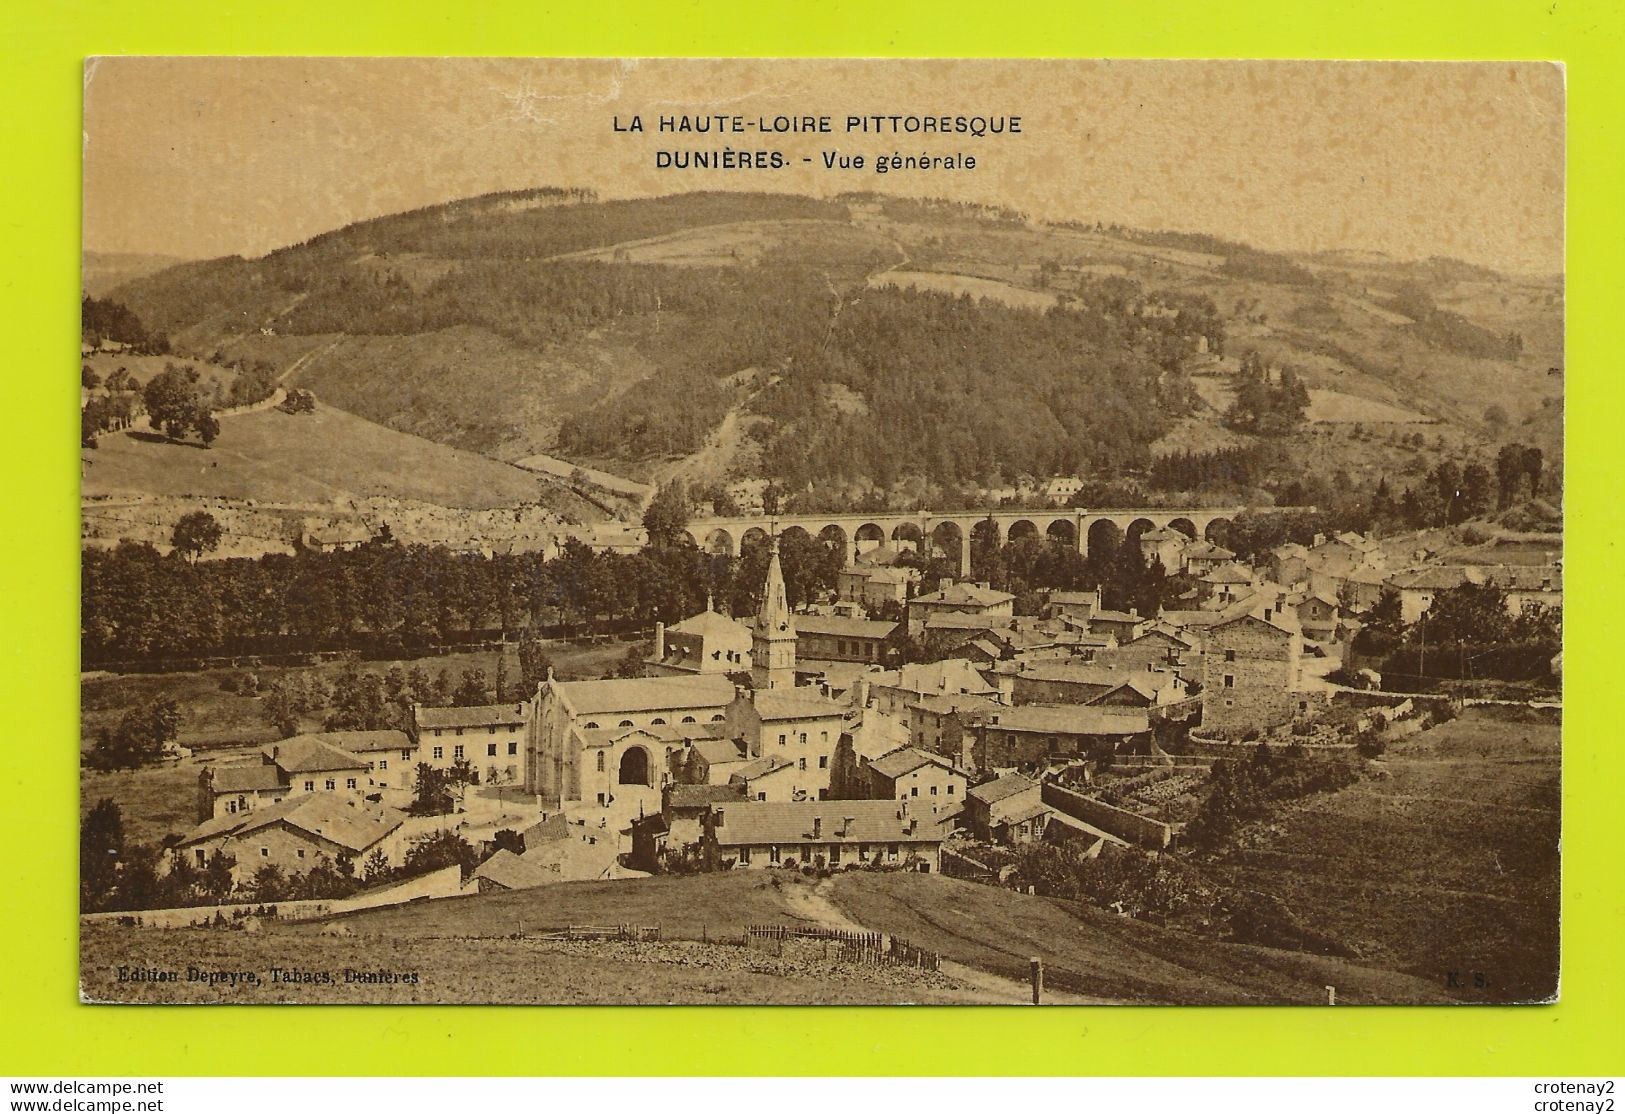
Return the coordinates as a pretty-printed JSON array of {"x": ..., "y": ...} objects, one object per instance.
[{"x": 593, "y": 743}]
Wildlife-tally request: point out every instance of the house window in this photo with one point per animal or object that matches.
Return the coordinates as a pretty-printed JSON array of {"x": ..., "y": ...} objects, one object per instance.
[
  {"x": 459, "y": 731},
  {"x": 231, "y": 806},
  {"x": 950, "y": 789},
  {"x": 803, "y": 764},
  {"x": 492, "y": 730},
  {"x": 310, "y": 787},
  {"x": 300, "y": 852},
  {"x": 688, "y": 719},
  {"x": 761, "y": 796},
  {"x": 823, "y": 761},
  {"x": 891, "y": 850},
  {"x": 744, "y": 855},
  {"x": 1229, "y": 681},
  {"x": 202, "y": 857},
  {"x": 600, "y": 761},
  {"x": 331, "y": 784},
  {"x": 513, "y": 748},
  {"x": 914, "y": 791},
  {"x": 658, "y": 721},
  {"x": 714, "y": 719},
  {"x": 383, "y": 763},
  {"x": 457, "y": 751},
  {"x": 406, "y": 756},
  {"x": 437, "y": 732},
  {"x": 265, "y": 852},
  {"x": 349, "y": 783},
  {"x": 590, "y": 726},
  {"x": 1229, "y": 655},
  {"x": 490, "y": 750},
  {"x": 626, "y": 723},
  {"x": 803, "y": 738},
  {"x": 440, "y": 752},
  {"x": 933, "y": 790},
  {"x": 773, "y": 853}
]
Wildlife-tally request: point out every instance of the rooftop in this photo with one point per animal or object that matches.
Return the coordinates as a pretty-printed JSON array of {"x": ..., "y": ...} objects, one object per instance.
[
  {"x": 842, "y": 627},
  {"x": 477, "y": 715},
  {"x": 962, "y": 593},
  {"x": 906, "y": 760},
  {"x": 991, "y": 792},
  {"x": 792, "y": 703},
  {"x": 646, "y": 694},
  {"x": 307, "y": 753},
  {"x": 351, "y": 824},
  {"x": 1065, "y": 719},
  {"x": 248, "y": 777}
]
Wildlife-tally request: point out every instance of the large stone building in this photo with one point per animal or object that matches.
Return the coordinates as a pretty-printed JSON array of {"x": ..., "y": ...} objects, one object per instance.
[
  {"x": 703, "y": 643},
  {"x": 1251, "y": 672}
]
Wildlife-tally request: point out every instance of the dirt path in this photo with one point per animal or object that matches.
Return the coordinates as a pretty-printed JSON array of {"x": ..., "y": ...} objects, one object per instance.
[{"x": 818, "y": 906}]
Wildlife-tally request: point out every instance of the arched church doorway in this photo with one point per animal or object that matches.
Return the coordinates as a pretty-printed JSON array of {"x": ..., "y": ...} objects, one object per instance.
[{"x": 634, "y": 767}]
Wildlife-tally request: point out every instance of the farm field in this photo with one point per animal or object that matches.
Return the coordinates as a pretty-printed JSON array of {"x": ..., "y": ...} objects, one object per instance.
[
  {"x": 1456, "y": 846},
  {"x": 330, "y": 454},
  {"x": 966, "y": 284},
  {"x": 1095, "y": 953}
]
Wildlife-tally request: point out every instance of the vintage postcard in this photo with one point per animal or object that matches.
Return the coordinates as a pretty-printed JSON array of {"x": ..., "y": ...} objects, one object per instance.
[{"x": 821, "y": 532}]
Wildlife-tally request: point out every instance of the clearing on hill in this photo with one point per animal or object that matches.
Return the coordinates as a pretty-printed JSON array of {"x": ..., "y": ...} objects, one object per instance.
[{"x": 318, "y": 457}]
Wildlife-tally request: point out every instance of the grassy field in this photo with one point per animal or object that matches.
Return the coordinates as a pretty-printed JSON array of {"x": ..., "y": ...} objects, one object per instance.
[
  {"x": 489, "y": 971},
  {"x": 1099, "y": 954},
  {"x": 277, "y": 457},
  {"x": 684, "y": 907},
  {"x": 1447, "y": 863}
]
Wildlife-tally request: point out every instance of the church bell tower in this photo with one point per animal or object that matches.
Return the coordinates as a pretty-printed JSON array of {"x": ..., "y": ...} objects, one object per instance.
[{"x": 773, "y": 644}]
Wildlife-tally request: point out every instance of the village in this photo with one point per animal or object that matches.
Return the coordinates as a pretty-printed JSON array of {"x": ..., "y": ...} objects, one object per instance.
[{"x": 800, "y": 740}]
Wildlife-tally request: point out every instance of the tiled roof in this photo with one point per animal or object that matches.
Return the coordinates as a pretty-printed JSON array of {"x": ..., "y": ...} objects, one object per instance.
[
  {"x": 906, "y": 760},
  {"x": 761, "y": 767},
  {"x": 709, "y": 624},
  {"x": 479, "y": 715},
  {"x": 1207, "y": 551},
  {"x": 843, "y": 627},
  {"x": 646, "y": 694},
  {"x": 992, "y": 792},
  {"x": 247, "y": 777},
  {"x": 512, "y": 872},
  {"x": 352, "y": 825},
  {"x": 757, "y": 823},
  {"x": 1430, "y": 577},
  {"x": 716, "y": 751},
  {"x": 308, "y": 753},
  {"x": 700, "y": 796},
  {"x": 962, "y": 593},
  {"x": 780, "y": 704},
  {"x": 1065, "y": 719},
  {"x": 1229, "y": 574},
  {"x": 363, "y": 742},
  {"x": 551, "y": 830}
]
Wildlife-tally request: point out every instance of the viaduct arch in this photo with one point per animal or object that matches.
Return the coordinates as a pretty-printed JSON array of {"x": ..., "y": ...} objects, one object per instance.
[{"x": 951, "y": 533}]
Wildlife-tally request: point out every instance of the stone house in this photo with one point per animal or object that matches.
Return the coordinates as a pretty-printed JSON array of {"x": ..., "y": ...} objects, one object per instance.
[
  {"x": 762, "y": 835},
  {"x": 1251, "y": 672},
  {"x": 1008, "y": 809}
]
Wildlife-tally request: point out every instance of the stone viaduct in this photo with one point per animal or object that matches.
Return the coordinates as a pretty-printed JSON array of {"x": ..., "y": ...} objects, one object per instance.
[{"x": 948, "y": 531}]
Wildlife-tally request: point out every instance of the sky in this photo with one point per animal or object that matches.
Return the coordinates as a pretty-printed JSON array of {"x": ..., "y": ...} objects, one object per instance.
[{"x": 206, "y": 157}]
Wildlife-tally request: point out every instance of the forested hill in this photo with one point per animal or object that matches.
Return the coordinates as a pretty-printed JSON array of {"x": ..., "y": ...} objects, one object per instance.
[{"x": 862, "y": 338}]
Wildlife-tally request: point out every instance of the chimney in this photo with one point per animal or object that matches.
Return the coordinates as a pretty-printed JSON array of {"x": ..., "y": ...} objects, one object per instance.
[
  {"x": 818, "y": 827},
  {"x": 913, "y": 824},
  {"x": 846, "y": 825},
  {"x": 1320, "y": 539},
  {"x": 863, "y": 692},
  {"x": 660, "y": 641},
  {"x": 1133, "y": 613},
  {"x": 1268, "y": 611},
  {"x": 945, "y": 583},
  {"x": 716, "y": 818}
]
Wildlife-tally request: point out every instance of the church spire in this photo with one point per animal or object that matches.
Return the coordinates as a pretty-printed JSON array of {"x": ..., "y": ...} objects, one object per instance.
[{"x": 773, "y": 646}]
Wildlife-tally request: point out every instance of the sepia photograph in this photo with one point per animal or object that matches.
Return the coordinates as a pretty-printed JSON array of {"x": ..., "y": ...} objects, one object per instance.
[{"x": 814, "y": 532}]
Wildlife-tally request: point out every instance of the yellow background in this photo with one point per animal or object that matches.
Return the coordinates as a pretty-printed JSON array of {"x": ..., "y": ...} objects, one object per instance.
[{"x": 43, "y": 47}]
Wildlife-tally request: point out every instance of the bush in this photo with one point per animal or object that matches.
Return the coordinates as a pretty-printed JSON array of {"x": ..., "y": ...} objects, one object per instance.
[{"x": 1370, "y": 745}]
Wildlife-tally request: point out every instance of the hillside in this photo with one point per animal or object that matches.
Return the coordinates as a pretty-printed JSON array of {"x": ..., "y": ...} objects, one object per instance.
[
  {"x": 102, "y": 271},
  {"x": 867, "y": 339}
]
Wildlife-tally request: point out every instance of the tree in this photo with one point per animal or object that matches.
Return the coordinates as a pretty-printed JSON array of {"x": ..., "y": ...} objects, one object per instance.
[
  {"x": 195, "y": 534},
  {"x": 174, "y": 403},
  {"x": 471, "y": 690},
  {"x": 101, "y": 847},
  {"x": 666, "y": 517},
  {"x": 442, "y": 849},
  {"x": 139, "y": 737},
  {"x": 509, "y": 840},
  {"x": 88, "y": 378},
  {"x": 534, "y": 664}
]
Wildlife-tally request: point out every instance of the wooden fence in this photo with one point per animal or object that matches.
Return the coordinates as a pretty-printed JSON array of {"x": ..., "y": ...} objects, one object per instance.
[
  {"x": 628, "y": 932},
  {"x": 858, "y": 947}
]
